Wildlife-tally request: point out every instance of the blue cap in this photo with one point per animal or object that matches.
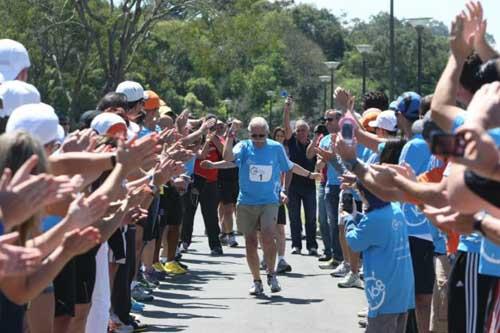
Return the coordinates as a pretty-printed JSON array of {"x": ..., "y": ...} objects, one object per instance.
[
  {"x": 409, "y": 105},
  {"x": 393, "y": 106}
]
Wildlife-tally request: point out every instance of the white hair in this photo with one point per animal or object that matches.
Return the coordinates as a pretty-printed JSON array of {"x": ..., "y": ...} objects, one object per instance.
[
  {"x": 258, "y": 122},
  {"x": 301, "y": 122}
]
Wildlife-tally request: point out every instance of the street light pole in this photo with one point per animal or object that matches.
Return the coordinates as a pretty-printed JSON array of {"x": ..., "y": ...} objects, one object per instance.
[
  {"x": 392, "y": 50},
  {"x": 332, "y": 66},
  {"x": 364, "y": 49},
  {"x": 324, "y": 80},
  {"x": 419, "y": 25},
  {"x": 270, "y": 94}
]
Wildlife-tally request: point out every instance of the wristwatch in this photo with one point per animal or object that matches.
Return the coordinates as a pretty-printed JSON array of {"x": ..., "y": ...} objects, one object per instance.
[
  {"x": 351, "y": 164},
  {"x": 478, "y": 222}
]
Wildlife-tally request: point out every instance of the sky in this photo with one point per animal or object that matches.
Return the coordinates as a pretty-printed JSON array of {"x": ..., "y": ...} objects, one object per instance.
[{"x": 441, "y": 10}]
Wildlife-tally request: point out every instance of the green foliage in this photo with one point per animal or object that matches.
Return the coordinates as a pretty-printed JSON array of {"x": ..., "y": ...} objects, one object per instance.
[{"x": 198, "y": 53}]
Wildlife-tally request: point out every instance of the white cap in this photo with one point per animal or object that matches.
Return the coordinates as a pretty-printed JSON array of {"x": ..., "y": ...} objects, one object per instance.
[
  {"x": 15, "y": 93},
  {"x": 13, "y": 58},
  {"x": 386, "y": 120},
  {"x": 104, "y": 121},
  {"x": 60, "y": 134},
  {"x": 133, "y": 90},
  {"x": 39, "y": 120}
]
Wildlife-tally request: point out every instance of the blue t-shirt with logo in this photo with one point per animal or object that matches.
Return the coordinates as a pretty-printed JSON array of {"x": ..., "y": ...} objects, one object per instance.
[
  {"x": 489, "y": 259},
  {"x": 332, "y": 174},
  {"x": 381, "y": 235},
  {"x": 417, "y": 154},
  {"x": 260, "y": 171}
]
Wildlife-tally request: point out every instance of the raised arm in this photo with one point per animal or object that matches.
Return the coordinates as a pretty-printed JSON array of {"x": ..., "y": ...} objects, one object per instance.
[{"x": 443, "y": 104}]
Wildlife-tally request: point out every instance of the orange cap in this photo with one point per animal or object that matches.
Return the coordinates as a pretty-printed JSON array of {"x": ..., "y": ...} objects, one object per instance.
[
  {"x": 153, "y": 101},
  {"x": 368, "y": 116}
]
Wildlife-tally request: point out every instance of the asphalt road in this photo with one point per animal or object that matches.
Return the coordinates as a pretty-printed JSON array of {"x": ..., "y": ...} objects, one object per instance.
[{"x": 213, "y": 297}]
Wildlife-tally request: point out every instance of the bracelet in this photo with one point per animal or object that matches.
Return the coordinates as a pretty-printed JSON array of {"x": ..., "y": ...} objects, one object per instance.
[
  {"x": 309, "y": 175},
  {"x": 113, "y": 160},
  {"x": 478, "y": 222}
]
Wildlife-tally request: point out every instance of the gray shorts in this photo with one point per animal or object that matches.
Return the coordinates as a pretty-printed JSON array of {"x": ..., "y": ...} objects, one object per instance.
[
  {"x": 387, "y": 323},
  {"x": 250, "y": 219}
]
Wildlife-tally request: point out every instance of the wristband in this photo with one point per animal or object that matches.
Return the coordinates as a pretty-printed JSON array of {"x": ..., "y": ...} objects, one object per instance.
[
  {"x": 478, "y": 222},
  {"x": 113, "y": 160}
]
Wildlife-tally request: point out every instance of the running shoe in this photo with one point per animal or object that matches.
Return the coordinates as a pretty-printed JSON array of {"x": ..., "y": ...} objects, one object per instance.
[
  {"x": 173, "y": 268},
  {"x": 341, "y": 270},
  {"x": 351, "y": 280},
  {"x": 273, "y": 283},
  {"x": 256, "y": 289},
  {"x": 283, "y": 267}
]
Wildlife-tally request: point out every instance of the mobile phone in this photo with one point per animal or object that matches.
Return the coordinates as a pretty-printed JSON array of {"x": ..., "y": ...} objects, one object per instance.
[
  {"x": 448, "y": 144},
  {"x": 347, "y": 130}
]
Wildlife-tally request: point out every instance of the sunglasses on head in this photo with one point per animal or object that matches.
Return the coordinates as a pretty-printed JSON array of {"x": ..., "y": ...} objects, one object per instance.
[{"x": 257, "y": 136}]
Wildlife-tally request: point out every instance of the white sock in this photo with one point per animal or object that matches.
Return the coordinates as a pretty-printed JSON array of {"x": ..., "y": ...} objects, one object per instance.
[
  {"x": 163, "y": 260},
  {"x": 281, "y": 258},
  {"x": 133, "y": 284}
]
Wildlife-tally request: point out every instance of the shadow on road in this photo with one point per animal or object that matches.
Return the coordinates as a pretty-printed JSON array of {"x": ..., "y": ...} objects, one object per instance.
[
  {"x": 280, "y": 300},
  {"x": 166, "y": 328},
  {"x": 169, "y": 315}
]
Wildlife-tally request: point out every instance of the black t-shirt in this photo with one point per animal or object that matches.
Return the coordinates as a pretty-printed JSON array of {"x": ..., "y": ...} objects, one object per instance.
[
  {"x": 228, "y": 175},
  {"x": 297, "y": 154}
]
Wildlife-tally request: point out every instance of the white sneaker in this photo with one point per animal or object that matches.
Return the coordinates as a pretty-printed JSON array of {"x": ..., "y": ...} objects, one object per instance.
[
  {"x": 341, "y": 270},
  {"x": 256, "y": 289},
  {"x": 351, "y": 281}
]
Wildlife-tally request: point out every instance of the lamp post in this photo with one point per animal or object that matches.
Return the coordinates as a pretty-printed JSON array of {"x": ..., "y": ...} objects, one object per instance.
[
  {"x": 227, "y": 102},
  {"x": 419, "y": 25},
  {"x": 324, "y": 80},
  {"x": 332, "y": 66},
  {"x": 364, "y": 49},
  {"x": 392, "y": 50},
  {"x": 270, "y": 94}
]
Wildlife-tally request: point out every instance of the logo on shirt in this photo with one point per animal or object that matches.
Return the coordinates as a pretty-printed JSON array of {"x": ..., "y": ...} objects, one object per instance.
[
  {"x": 375, "y": 289},
  {"x": 396, "y": 225},
  {"x": 413, "y": 216},
  {"x": 489, "y": 257}
]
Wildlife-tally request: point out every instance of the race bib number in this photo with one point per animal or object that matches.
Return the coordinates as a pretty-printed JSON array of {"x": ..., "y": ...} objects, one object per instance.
[{"x": 260, "y": 173}]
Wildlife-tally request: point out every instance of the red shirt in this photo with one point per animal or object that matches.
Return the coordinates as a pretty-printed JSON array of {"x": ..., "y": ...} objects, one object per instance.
[{"x": 209, "y": 174}]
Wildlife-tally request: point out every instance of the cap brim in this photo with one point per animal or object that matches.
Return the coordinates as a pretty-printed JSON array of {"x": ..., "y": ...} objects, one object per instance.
[{"x": 373, "y": 123}]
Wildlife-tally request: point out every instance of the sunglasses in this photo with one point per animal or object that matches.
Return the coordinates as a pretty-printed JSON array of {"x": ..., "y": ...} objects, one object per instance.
[
  {"x": 329, "y": 119},
  {"x": 257, "y": 136}
]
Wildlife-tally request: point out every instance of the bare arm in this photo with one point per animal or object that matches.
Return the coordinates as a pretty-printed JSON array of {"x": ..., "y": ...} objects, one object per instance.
[
  {"x": 443, "y": 106},
  {"x": 368, "y": 139},
  {"x": 491, "y": 228},
  {"x": 386, "y": 194},
  {"x": 89, "y": 165},
  {"x": 311, "y": 148},
  {"x": 228, "y": 150},
  {"x": 428, "y": 193}
]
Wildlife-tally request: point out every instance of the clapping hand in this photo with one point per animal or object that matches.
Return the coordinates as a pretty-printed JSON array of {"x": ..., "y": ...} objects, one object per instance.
[{"x": 17, "y": 260}]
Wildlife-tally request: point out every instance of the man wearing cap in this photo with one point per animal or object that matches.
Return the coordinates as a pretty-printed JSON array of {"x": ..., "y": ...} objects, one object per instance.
[
  {"x": 14, "y": 94},
  {"x": 39, "y": 120},
  {"x": 14, "y": 60},
  {"x": 416, "y": 153},
  {"x": 135, "y": 101}
]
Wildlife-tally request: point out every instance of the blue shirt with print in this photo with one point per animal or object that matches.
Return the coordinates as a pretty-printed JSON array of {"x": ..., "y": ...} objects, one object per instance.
[
  {"x": 417, "y": 154},
  {"x": 382, "y": 236},
  {"x": 489, "y": 259},
  {"x": 332, "y": 175},
  {"x": 260, "y": 171}
]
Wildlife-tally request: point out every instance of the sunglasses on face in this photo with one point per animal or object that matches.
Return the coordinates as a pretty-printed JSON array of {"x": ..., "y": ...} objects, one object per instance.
[{"x": 257, "y": 136}]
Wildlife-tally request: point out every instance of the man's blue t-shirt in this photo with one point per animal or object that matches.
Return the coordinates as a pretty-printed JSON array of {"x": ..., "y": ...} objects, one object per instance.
[
  {"x": 332, "y": 174},
  {"x": 417, "y": 154},
  {"x": 489, "y": 259},
  {"x": 382, "y": 237},
  {"x": 260, "y": 171}
]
